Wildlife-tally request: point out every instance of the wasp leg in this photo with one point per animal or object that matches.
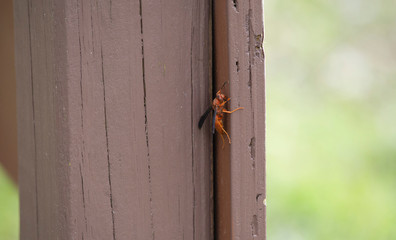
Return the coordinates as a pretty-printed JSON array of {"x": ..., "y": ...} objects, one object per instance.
[
  {"x": 225, "y": 111},
  {"x": 223, "y": 103},
  {"x": 229, "y": 139},
  {"x": 220, "y": 129},
  {"x": 222, "y": 138}
]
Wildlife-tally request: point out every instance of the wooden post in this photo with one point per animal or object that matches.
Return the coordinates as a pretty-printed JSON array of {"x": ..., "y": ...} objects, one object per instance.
[
  {"x": 109, "y": 95},
  {"x": 240, "y": 167},
  {"x": 8, "y": 128},
  {"x": 222, "y": 155},
  {"x": 248, "y": 196}
]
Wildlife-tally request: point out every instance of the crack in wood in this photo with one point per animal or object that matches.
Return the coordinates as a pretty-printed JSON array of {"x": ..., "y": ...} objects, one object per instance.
[
  {"x": 252, "y": 148},
  {"x": 82, "y": 120},
  {"x": 110, "y": 11},
  {"x": 146, "y": 125},
  {"x": 34, "y": 119},
  {"x": 258, "y": 50},
  {"x": 250, "y": 63},
  {"x": 107, "y": 144},
  {"x": 81, "y": 86},
  {"x": 92, "y": 29},
  {"x": 83, "y": 197},
  {"x": 254, "y": 226}
]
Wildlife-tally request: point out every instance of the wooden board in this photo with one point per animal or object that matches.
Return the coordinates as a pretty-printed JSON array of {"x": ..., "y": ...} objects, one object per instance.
[
  {"x": 8, "y": 128},
  {"x": 222, "y": 154},
  {"x": 109, "y": 95},
  {"x": 248, "y": 197},
  {"x": 240, "y": 167}
]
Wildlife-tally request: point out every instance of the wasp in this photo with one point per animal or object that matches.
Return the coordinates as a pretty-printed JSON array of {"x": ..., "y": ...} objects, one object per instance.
[{"x": 218, "y": 106}]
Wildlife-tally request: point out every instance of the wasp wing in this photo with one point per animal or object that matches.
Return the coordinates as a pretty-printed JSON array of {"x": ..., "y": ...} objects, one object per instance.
[{"x": 203, "y": 117}]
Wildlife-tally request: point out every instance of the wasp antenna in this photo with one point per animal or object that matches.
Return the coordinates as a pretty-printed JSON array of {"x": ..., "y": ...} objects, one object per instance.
[{"x": 222, "y": 86}]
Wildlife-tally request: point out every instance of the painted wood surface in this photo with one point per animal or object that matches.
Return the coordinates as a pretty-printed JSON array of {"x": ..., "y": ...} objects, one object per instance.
[
  {"x": 222, "y": 164},
  {"x": 109, "y": 96},
  {"x": 240, "y": 167},
  {"x": 8, "y": 128},
  {"x": 248, "y": 196}
]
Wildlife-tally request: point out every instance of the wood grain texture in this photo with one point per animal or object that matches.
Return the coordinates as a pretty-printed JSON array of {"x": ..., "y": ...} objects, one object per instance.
[
  {"x": 240, "y": 167},
  {"x": 109, "y": 98}
]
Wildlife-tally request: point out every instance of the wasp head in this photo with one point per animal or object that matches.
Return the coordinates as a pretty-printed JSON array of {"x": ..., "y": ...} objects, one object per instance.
[{"x": 221, "y": 97}]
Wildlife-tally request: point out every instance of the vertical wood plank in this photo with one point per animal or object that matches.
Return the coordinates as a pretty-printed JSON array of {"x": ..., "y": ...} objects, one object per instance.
[
  {"x": 41, "y": 118},
  {"x": 25, "y": 122},
  {"x": 222, "y": 154},
  {"x": 202, "y": 150},
  {"x": 109, "y": 95},
  {"x": 174, "y": 87},
  {"x": 8, "y": 140},
  {"x": 240, "y": 167},
  {"x": 246, "y": 64}
]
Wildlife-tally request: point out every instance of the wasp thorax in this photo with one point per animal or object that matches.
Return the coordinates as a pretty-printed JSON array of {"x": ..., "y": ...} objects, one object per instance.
[{"x": 220, "y": 96}]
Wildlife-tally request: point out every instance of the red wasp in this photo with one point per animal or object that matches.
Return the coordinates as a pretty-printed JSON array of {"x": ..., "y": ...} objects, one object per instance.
[{"x": 219, "y": 110}]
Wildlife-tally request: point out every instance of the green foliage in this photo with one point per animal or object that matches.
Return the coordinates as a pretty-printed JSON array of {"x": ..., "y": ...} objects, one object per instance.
[
  {"x": 9, "y": 208},
  {"x": 331, "y": 132}
]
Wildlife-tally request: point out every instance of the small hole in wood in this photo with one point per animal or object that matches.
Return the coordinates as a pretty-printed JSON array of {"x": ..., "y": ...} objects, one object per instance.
[
  {"x": 254, "y": 226},
  {"x": 235, "y": 4}
]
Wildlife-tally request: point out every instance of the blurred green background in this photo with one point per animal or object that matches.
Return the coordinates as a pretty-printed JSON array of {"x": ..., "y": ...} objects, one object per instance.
[
  {"x": 9, "y": 209},
  {"x": 331, "y": 119}
]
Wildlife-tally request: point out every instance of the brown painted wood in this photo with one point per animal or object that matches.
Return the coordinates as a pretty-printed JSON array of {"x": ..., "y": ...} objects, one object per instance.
[
  {"x": 42, "y": 117},
  {"x": 247, "y": 89},
  {"x": 241, "y": 166},
  {"x": 8, "y": 128},
  {"x": 109, "y": 96},
  {"x": 222, "y": 155}
]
